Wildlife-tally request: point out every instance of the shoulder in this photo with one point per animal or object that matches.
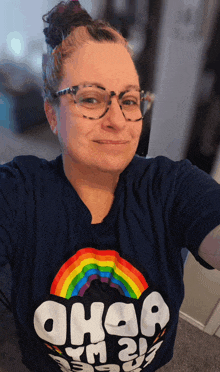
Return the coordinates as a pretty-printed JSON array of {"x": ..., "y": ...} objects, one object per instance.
[
  {"x": 167, "y": 171},
  {"x": 27, "y": 173},
  {"x": 158, "y": 170},
  {"x": 159, "y": 163},
  {"x": 28, "y": 164}
]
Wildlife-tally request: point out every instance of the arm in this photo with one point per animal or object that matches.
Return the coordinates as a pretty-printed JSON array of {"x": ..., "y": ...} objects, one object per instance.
[{"x": 209, "y": 249}]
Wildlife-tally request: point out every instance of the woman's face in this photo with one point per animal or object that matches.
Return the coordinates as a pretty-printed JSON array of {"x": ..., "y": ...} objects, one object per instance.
[{"x": 111, "y": 66}]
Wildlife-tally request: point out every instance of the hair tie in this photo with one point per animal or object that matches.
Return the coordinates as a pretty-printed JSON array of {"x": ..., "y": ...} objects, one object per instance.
[
  {"x": 77, "y": 8},
  {"x": 61, "y": 9}
]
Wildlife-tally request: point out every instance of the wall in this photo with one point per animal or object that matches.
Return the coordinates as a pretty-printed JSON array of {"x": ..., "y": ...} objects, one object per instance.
[
  {"x": 179, "y": 63},
  {"x": 202, "y": 291}
]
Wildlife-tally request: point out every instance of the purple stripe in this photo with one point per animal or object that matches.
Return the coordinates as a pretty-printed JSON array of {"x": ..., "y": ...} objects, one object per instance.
[
  {"x": 103, "y": 280},
  {"x": 87, "y": 285},
  {"x": 114, "y": 285}
]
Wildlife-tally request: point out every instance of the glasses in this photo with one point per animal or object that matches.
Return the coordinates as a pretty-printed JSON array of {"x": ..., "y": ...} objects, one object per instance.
[{"x": 94, "y": 101}]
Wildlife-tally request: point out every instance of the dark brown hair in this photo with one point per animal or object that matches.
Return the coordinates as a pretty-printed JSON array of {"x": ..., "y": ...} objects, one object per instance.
[{"x": 69, "y": 27}]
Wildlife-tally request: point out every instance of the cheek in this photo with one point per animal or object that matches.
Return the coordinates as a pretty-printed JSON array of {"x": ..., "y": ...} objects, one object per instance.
[
  {"x": 66, "y": 122},
  {"x": 66, "y": 127},
  {"x": 75, "y": 131},
  {"x": 136, "y": 130}
]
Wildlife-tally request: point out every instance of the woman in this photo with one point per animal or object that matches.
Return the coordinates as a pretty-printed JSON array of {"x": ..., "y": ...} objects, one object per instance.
[{"x": 94, "y": 237}]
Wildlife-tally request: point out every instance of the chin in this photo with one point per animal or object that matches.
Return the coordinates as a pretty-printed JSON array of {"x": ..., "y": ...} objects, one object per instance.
[{"x": 114, "y": 165}]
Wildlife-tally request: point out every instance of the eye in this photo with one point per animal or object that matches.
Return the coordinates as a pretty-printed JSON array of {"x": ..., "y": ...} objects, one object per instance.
[
  {"x": 129, "y": 102},
  {"x": 89, "y": 99}
]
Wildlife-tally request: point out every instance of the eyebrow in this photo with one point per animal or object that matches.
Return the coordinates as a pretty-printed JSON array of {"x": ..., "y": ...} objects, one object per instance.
[{"x": 130, "y": 86}]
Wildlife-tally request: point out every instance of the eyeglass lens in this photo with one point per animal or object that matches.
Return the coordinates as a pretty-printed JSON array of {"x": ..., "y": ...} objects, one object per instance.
[{"x": 93, "y": 102}]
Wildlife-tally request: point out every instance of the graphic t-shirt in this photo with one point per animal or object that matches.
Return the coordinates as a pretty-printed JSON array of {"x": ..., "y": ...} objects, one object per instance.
[{"x": 102, "y": 297}]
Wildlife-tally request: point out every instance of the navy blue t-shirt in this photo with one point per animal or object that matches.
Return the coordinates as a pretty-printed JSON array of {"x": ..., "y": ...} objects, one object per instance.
[{"x": 103, "y": 297}]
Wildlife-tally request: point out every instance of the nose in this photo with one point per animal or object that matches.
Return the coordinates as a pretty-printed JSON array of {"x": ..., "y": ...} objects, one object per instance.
[{"x": 115, "y": 116}]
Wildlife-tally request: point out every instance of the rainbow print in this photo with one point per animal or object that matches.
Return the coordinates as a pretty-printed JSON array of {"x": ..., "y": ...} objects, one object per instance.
[{"x": 88, "y": 264}]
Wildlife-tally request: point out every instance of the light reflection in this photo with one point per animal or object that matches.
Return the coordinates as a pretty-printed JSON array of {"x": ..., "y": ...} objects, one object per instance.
[{"x": 15, "y": 43}]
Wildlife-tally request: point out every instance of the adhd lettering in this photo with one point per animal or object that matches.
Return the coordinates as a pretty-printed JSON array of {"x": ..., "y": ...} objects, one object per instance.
[
  {"x": 86, "y": 341},
  {"x": 120, "y": 320}
]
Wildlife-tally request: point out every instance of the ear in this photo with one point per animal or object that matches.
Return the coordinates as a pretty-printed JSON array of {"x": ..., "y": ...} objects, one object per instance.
[{"x": 51, "y": 116}]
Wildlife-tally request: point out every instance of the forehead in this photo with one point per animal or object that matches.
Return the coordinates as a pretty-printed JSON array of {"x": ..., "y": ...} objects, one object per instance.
[{"x": 109, "y": 64}]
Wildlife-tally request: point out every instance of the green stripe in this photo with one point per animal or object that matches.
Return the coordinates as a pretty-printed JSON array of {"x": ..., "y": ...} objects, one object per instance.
[{"x": 107, "y": 269}]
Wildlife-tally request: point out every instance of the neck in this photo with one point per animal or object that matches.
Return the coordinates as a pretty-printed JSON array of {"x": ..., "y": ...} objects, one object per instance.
[
  {"x": 95, "y": 188},
  {"x": 89, "y": 180}
]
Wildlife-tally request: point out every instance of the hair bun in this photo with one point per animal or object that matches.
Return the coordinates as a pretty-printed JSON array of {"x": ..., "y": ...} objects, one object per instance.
[{"x": 61, "y": 19}]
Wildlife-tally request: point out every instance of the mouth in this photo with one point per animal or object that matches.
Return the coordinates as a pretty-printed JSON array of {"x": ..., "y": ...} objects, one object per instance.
[{"x": 107, "y": 142}]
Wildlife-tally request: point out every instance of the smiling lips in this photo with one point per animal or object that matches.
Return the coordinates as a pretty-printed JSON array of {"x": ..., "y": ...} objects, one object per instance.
[{"x": 107, "y": 142}]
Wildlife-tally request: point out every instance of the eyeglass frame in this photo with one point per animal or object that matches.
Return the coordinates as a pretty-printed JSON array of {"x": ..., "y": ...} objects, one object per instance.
[{"x": 74, "y": 89}]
